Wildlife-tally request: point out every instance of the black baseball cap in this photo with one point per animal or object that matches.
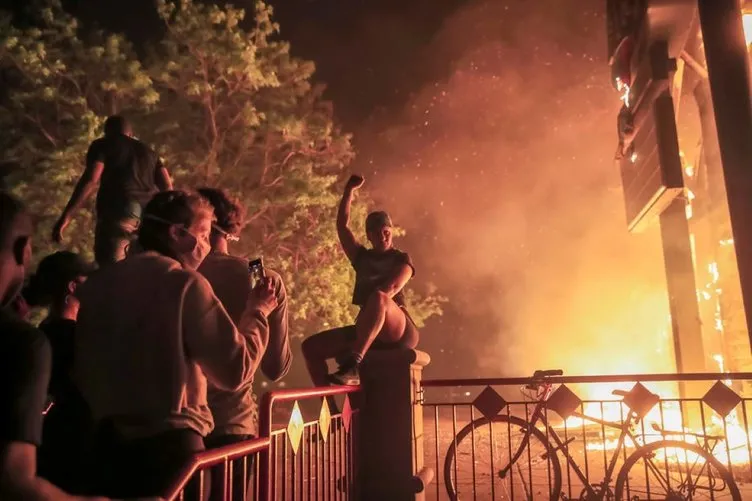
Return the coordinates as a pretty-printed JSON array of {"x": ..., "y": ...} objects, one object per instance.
[
  {"x": 53, "y": 273},
  {"x": 63, "y": 265}
]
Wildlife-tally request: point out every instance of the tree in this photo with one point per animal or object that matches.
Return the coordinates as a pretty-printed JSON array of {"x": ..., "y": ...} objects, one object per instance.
[
  {"x": 225, "y": 106},
  {"x": 251, "y": 121},
  {"x": 58, "y": 89}
]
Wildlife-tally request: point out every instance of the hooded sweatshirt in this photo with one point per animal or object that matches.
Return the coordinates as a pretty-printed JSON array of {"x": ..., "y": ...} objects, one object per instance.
[
  {"x": 234, "y": 411},
  {"x": 150, "y": 335}
]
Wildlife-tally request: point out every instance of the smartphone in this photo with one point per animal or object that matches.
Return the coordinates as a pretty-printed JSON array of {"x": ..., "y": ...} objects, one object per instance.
[{"x": 256, "y": 271}]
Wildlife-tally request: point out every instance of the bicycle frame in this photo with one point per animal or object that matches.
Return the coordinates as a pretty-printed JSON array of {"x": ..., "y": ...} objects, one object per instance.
[{"x": 539, "y": 414}]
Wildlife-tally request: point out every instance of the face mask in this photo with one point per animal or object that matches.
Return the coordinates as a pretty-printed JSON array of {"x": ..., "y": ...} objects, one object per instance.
[
  {"x": 191, "y": 251},
  {"x": 195, "y": 252}
]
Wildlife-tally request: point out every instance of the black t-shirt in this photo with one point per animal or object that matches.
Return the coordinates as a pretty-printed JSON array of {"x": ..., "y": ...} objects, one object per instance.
[
  {"x": 25, "y": 364},
  {"x": 60, "y": 334},
  {"x": 372, "y": 268},
  {"x": 129, "y": 172}
]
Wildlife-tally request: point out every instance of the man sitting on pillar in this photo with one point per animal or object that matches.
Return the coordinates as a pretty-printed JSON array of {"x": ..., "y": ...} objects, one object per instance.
[{"x": 383, "y": 322}]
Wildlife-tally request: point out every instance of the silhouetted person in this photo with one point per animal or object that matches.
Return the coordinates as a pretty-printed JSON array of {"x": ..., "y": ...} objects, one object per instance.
[
  {"x": 128, "y": 173},
  {"x": 65, "y": 451},
  {"x": 25, "y": 365},
  {"x": 229, "y": 276},
  {"x": 381, "y": 274}
]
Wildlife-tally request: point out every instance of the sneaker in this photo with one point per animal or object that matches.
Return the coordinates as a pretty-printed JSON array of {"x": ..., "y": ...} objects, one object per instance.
[{"x": 346, "y": 376}]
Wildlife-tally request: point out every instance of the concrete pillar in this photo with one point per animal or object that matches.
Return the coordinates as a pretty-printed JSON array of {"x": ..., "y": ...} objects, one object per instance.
[{"x": 390, "y": 444}]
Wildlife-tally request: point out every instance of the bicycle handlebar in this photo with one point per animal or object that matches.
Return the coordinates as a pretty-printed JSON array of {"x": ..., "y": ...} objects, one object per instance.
[{"x": 548, "y": 373}]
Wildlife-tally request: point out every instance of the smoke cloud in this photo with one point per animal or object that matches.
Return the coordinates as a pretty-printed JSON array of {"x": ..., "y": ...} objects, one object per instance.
[{"x": 501, "y": 170}]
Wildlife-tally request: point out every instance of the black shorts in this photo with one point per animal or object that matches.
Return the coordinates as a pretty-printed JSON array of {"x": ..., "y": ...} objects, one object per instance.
[{"x": 408, "y": 341}]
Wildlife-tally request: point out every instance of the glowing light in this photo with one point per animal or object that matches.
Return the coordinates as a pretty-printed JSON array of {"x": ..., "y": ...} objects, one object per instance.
[
  {"x": 747, "y": 21},
  {"x": 689, "y": 170},
  {"x": 623, "y": 87},
  {"x": 633, "y": 158},
  {"x": 726, "y": 242},
  {"x": 713, "y": 270}
]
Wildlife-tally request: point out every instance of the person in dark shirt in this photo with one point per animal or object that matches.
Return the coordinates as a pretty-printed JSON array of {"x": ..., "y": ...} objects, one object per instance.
[
  {"x": 128, "y": 173},
  {"x": 67, "y": 425},
  {"x": 25, "y": 364},
  {"x": 381, "y": 274}
]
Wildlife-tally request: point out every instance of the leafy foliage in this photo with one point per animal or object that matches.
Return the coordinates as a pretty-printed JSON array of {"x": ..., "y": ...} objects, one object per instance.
[{"x": 225, "y": 106}]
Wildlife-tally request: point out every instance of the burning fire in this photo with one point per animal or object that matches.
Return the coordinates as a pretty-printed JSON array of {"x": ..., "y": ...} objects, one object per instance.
[
  {"x": 747, "y": 22},
  {"x": 667, "y": 420}
]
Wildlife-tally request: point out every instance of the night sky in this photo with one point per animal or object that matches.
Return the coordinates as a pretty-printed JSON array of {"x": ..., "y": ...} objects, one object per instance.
[{"x": 487, "y": 128}]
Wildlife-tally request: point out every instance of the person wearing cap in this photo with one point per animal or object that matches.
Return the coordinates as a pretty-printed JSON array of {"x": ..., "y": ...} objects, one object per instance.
[
  {"x": 25, "y": 365},
  {"x": 53, "y": 286},
  {"x": 125, "y": 173},
  {"x": 381, "y": 273},
  {"x": 62, "y": 456}
]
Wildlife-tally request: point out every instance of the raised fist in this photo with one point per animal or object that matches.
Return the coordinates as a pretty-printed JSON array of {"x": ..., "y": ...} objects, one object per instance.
[{"x": 354, "y": 182}]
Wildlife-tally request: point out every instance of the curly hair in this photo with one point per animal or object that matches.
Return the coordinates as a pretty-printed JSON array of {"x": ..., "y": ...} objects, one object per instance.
[
  {"x": 230, "y": 213},
  {"x": 167, "y": 208}
]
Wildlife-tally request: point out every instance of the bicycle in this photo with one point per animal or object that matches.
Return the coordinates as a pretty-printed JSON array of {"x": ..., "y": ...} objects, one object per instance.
[{"x": 651, "y": 458}]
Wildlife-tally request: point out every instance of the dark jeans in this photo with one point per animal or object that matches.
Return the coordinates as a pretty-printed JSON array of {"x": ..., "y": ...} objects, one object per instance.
[
  {"x": 241, "y": 477},
  {"x": 146, "y": 466},
  {"x": 113, "y": 234}
]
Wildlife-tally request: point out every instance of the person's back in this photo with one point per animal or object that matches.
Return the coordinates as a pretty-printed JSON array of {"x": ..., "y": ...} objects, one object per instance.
[
  {"x": 228, "y": 276},
  {"x": 67, "y": 431},
  {"x": 128, "y": 178},
  {"x": 131, "y": 318},
  {"x": 125, "y": 173}
]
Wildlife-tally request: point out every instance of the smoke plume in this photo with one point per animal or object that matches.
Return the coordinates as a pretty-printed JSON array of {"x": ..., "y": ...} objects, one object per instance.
[{"x": 501, "y": 170}]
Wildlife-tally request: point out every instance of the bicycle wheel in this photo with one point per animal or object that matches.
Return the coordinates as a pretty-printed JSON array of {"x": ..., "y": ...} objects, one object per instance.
[
  {"x": 673, "y": 470},
  {"x": 488, "y": 444}
]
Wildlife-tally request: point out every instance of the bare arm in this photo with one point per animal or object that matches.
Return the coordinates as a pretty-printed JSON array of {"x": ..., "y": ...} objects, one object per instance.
[
  {"x": 397, "y": 281},
  {"x": 19, "y": 480},
  {"x": 346, "y": 238},
  {"x": 84, "y": 189},
  {"x": 162, "y": 178}
]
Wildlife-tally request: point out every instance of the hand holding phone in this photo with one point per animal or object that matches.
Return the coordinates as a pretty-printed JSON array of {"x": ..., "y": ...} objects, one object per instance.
[
  {"x": 256, "y": 271},
  {"x": 262, "y": 297}
]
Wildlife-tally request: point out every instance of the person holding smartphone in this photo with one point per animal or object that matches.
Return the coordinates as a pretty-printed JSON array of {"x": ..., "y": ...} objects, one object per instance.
[
  {"x": 234, "y": 279},
  {"x": 381, "y": 273}
]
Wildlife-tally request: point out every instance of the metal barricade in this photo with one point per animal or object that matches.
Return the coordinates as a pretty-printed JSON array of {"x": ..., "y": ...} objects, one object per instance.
[
  {"x": 312, "y": 459},
  {"x": 224, "y": 461},
  {"x": 294, "y": 458}
]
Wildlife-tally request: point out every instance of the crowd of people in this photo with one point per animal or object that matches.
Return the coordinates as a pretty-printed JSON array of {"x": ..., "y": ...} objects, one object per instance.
[{"x": 148, "y": 356}]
